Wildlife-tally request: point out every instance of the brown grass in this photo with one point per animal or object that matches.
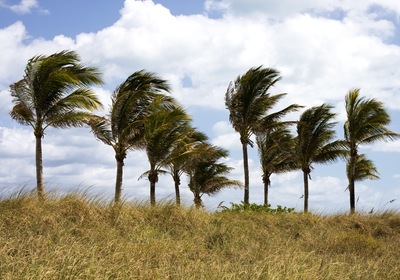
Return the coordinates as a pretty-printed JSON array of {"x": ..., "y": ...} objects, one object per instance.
[{"x": 72, "y": 237}]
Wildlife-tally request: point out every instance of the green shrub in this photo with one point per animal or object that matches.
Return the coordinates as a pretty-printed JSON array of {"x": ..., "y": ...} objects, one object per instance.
[{"x": 257, "y": 208}]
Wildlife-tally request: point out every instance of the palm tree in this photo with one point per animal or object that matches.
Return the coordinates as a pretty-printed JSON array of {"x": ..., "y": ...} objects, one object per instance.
[
  {"x": 314, "y": 142},
  {"x": 123, "y": 128},
  {"x": 248, "y": 102},
  {"x": 54, "y": 92},
  {"x": 275, "y": 151},
  {"x": 163, "y": 130},
  {"x": 364, "y": 169},
  {"x": 366, "y": 123},
  {"x": 181, "y": 156},
  {"x": 207, "y": 175}
]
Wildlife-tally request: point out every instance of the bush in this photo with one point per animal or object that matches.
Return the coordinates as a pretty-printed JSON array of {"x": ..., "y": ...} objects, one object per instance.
[{"x": 253, "y": 207}]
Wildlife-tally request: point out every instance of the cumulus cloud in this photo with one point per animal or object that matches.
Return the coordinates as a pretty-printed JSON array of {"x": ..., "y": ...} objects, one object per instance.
[
  {"x": 226, "y": 137},
  {"x": 392, "y": 147},
  {"x": 24, "y": 7},
  {"x": 320, "y": 58},
  {"x": 321, "y": 49},
  {"x": 286, "y": 8}
]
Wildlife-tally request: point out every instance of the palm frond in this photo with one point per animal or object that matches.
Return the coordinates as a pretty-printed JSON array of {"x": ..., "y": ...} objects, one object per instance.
[
  {"x": 248, "y": 99},
  {"x": 23, "y": 110},
  {"x": 315, "y": 133},
  {"x": 367, "y": 120},
  {"x": 55, "y": 85},
  {"x": 101, "y": 128},
  {"x": 364, "y": 169}
]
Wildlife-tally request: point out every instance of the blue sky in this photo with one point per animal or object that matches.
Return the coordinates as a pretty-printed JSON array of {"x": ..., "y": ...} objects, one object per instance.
[{"x": 322, "y": 50}]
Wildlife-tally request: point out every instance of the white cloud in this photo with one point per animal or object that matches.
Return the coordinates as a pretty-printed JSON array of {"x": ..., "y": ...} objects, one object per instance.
[
  {"x": 288, "y": 8},
  {"x": 16, "y": 142},
  {"x": 391, "y": 146},
  {"x": 320, "y": 54},
  {"x": 274, "y": 9},
  {"x": 11, "y": 39},
  {"x": 226, "y": 136},
  {"x": 24, "y": 7},
  {"x": 320, "y": 58}
]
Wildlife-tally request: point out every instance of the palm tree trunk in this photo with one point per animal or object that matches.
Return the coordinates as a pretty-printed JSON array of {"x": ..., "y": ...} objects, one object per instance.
[
  {"x": 118, "y": 180},
  {"x": 246, "y": 173},
  {"x": 177, "y": 182},
  {"x": 152, "y": 193},
  {"x": 153, "y": 178},
  {"x": 305, "y": 178},
  {"x": 352, "y": 164},
  {"x": 197, "y": 201},
  {"x": 39, "y": 166},
  {"x": 352, "y": 198},
  {"x": 266, "y": 186}
]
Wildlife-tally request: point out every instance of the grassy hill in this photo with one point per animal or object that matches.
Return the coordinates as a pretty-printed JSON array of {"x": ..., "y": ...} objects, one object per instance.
[{"x": 72, "y": 237}]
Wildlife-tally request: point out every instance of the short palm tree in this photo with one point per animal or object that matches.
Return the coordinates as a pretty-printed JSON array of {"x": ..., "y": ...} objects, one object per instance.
[
  {"x": 366, "y": 123},
  {"x": 123, "y": 128},
  {"x": 181, "y": 156},
  {"x": 314, "y": 142},
  {"x": 248, "y": 100},
  {"x": 364, "y": 169},
  {"x": 54, "y": 92},
  {"x": 207, "y": 175},
  {"x": 275, "y": 151},
  {"x": 164, "y": 128}
]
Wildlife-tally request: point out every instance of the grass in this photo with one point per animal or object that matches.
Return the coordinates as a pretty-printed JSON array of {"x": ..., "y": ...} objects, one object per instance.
[{"x": 74, "y": 237}]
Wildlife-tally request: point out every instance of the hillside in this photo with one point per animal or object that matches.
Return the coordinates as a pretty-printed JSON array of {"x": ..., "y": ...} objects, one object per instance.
[{"x": 73, "y": 237}]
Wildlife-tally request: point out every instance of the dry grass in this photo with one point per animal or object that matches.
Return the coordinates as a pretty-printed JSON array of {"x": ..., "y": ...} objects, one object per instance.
[{"x": 72, "y": 237}]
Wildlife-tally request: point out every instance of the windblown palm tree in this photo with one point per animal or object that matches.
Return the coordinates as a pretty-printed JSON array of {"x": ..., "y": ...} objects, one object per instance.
[
  {"x": 248, "y": 102},
  {"x": 207, "y": 175},
  {"x": 164, "y": 128},
  {"x": 123, "y": 128},
  {"x": 366, "y": 123},
  {"x": 54, "y": 92},
  {"x": 275, "y": 150},
  {"x": 181, "y": 156},
  {"x": 314, "y": 142},
  {"x": 364, "y": 169}
]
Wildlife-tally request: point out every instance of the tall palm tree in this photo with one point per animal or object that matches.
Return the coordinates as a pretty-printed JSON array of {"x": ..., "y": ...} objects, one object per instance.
[
  {"x": 207, "y": 175},
  {"x": 248, "y": 100},
  {"x": 275, "y": 150},
  {"x": 314, "y": 142},
  {"x": 54, "y": 92},
  {"x": 163, "y": 130},
  {"x": 366, "y": 123},
  {"x": 123, "y": 128}
]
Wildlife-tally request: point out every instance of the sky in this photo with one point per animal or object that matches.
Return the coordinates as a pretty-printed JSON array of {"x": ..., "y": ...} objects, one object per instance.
[{"x": 322, "y": 49}]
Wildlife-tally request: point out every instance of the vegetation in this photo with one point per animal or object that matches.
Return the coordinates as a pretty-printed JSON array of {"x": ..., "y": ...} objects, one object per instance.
[
  {"x": 182, "y": 154},
  {"x": 207, "y": 174},
  {"x": 243, "y": 207},
  {"x": 164, "y": 127},
  {"x": 364, "y": 169},
  {"x": 249, "y": 101},
  {"x": 366, "y": 123},
  {"x": 54, "y": 92},
  {"x": 275, "y": 148},
  {"x": 72, "y": 237},
  {"x": 123, "y": 128},
  {"x": 315, "y": 142}
]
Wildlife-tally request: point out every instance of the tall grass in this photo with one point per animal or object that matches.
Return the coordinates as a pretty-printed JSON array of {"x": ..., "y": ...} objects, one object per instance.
[{"x": 75, "y": 237}]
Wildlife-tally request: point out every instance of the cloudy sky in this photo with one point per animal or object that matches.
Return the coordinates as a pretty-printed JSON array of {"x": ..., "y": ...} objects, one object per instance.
[{"x": 321, "y": 48}]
